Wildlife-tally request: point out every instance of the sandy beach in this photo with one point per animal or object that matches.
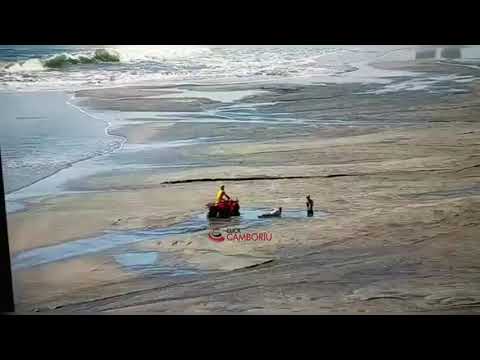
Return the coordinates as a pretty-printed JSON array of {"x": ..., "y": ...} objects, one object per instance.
[{"x": 394, "y": 176}]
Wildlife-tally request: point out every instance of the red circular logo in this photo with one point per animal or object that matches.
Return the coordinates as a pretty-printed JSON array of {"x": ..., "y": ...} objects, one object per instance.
[{"x": 216, "y": 235}]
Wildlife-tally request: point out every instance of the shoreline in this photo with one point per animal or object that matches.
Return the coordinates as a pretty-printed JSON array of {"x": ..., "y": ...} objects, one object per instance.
[
  {"x": 73, "y": 163},
  {"x": 411, "y": 66}
]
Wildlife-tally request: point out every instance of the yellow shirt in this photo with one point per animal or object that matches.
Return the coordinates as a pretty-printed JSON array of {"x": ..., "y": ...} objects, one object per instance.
[{"x": 220, "y": 194}]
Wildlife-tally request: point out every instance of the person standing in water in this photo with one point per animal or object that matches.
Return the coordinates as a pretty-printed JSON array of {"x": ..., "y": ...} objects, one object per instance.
[{"x": 309, "y": 206}]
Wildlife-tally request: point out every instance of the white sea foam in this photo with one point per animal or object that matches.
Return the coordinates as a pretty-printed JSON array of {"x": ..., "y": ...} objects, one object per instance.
[
  {"x": 135, "y": 53},
  {"x": 73, "y": 68},
  {"x": 25, "y": 66},
  {"x": 432, "y": 83}
]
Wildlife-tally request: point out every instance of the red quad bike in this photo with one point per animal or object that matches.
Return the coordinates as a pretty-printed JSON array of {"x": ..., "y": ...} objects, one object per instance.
[{"x": 224, "y": 209}]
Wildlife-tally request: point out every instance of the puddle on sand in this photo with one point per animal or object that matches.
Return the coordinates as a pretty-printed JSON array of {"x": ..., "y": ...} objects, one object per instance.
[
  {"x": 250, "y": 218},
  {"x": 106, "y": 241},
  {"x": 137, "y": 259},
  {"x": 118, "y": 240},
  {"x": 252, "y": 214},
  {"x": 149, "y": 261},
  {"x": 14, "y": 206}
]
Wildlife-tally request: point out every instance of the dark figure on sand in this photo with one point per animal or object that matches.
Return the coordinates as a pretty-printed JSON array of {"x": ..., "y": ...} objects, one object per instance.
[{"x": 309, "y": 206}]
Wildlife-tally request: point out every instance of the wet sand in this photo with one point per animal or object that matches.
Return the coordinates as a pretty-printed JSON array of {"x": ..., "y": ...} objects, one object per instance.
[{"x": 399, "y": 188}]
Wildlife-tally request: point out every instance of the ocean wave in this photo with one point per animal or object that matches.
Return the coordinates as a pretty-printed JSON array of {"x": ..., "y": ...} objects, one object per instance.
[
  {"x": 121, "y": 54},
  {"x": 99, "y": 55},
  {"x": 26, "y": 66},
  {"x": 62, "y": 60}
]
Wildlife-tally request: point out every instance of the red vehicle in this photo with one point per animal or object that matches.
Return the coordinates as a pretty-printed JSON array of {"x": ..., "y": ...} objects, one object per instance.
[{"x": 223, "y": 209}]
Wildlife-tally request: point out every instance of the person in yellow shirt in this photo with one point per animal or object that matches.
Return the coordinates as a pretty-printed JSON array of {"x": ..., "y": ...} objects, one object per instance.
[{"x": 221, "y": 194}]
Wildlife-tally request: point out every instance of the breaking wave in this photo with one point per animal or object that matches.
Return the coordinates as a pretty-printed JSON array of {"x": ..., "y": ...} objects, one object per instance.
[
  {"x": 61, "y": 60},
  {"x": 106, "y": 55}
]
